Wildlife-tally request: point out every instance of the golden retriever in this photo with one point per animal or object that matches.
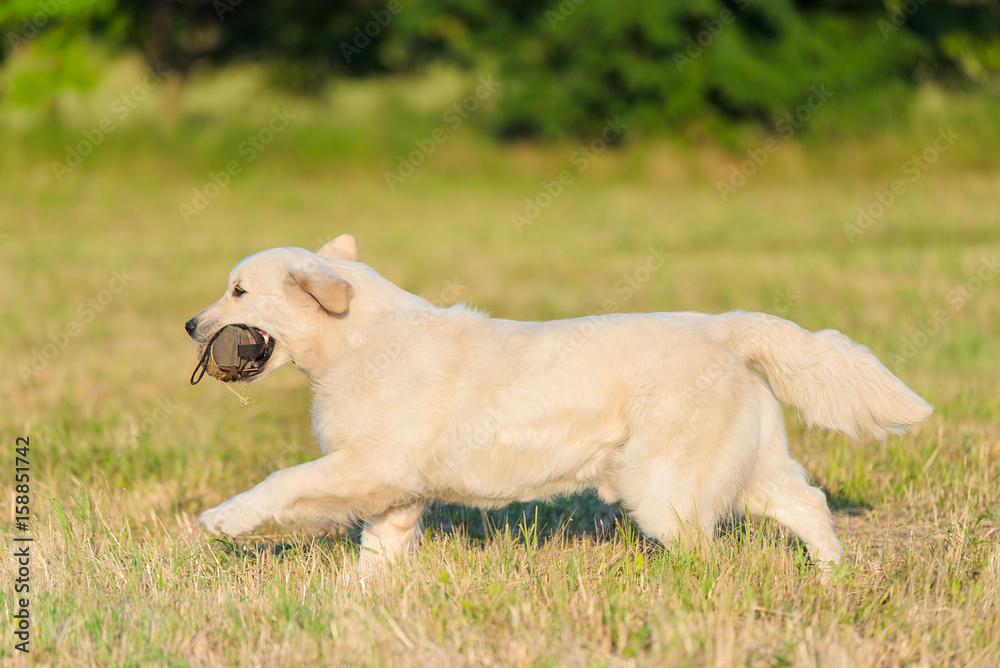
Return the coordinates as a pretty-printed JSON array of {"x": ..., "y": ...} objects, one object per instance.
[{"x": 660, "y": 412}]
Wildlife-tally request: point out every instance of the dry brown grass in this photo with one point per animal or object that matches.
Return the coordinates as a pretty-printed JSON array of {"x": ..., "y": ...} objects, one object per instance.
[{"x": 123, "y": 575}]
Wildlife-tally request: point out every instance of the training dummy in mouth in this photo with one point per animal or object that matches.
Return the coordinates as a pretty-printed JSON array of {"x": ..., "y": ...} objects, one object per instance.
[{"x": 233, "y": 353}]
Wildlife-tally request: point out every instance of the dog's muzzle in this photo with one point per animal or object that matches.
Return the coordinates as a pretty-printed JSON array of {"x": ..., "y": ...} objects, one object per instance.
[{"x": 235, "y": 352}]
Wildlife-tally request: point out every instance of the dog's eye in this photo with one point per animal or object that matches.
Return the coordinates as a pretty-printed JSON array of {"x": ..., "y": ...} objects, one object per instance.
[{"x": 238, "y": 291}]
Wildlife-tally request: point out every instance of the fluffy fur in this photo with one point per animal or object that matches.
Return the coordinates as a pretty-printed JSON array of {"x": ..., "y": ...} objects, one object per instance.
[{"x": 660, "y": 411}]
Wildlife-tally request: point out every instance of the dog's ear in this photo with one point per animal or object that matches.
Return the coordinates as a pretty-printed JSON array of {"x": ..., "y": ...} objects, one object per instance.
[
  {"x": 320, "y": 287},
  {"x": 342, "y": 248}
]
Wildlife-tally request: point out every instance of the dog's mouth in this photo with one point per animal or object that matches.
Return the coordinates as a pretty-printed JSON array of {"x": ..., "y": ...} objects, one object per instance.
[{"x": 235, "y": 352}]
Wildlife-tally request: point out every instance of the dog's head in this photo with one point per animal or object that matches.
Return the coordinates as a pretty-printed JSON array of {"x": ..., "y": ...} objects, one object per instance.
[{"x": 285, "y": 297}]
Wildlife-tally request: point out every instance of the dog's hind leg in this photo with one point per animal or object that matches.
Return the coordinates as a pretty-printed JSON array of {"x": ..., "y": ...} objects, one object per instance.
[
  {"x": 682, "y": 471},
  {"x": 778, "y": 488},
  {"x": 389, "y": 536},
  {"x": 675, "y": 498},
  {"x": 674, "y": 523}
]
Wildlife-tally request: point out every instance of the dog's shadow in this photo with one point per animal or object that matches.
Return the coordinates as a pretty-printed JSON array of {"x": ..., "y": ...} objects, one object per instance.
[
  {"x": 583, "y": 516},
  {"x": 845, "y": 502}
]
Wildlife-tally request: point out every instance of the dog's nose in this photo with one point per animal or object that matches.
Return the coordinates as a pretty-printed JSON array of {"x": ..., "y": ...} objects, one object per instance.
[{"x": 190, "y": 326}]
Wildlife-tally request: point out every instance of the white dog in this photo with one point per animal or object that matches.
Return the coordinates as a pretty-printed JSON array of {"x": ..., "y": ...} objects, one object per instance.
[{"x": 659, "y": 411}]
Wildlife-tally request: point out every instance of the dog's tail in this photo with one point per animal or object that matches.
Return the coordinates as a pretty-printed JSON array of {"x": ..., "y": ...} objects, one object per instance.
[{"x": 835, "y": 382}]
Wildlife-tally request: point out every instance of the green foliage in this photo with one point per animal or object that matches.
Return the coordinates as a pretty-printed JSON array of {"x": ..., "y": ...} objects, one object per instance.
[
  {"x": 52, "y": 38},
  {"x": 569, "y": 65},
  {"x": 57, "y": 62},
  {"x": 565, "y": 65}
]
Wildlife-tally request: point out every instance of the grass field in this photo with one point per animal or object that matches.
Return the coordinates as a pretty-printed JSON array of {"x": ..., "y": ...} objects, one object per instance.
[{"x": 101, "y": 271}]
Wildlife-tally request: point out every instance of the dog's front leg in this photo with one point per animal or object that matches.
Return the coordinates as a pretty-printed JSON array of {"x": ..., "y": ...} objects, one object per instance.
[
  {"x": 239, "y": 515},
  {"x": 336, "y": 487}
]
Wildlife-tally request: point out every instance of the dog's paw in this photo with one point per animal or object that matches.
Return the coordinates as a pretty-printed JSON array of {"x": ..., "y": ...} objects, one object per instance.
[{"x": 233, "y": 518}]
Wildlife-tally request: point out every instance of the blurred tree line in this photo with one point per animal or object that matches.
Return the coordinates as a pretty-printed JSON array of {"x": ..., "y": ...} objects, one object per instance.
[{"x": 565, "y": 65}]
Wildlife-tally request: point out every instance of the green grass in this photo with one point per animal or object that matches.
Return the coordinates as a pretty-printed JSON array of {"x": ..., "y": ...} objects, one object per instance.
[{"x": 123, "y": 574}]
